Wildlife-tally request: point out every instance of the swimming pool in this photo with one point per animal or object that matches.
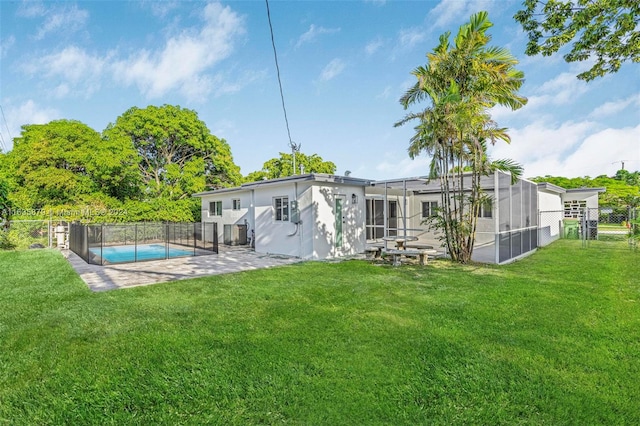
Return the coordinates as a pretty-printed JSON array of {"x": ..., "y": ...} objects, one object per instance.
[
  {"x": 116, "y": 243},
  {"x": 132, "y": 253}
]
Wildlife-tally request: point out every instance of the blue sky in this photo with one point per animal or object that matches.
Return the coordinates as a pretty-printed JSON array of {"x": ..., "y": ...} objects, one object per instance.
[{"x": 344, "y": 65}]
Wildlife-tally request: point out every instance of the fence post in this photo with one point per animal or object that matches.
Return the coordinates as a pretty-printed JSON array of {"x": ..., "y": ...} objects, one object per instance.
[
  {"x": 49, "y": 231},
  {"x": 135, "y": 242}
]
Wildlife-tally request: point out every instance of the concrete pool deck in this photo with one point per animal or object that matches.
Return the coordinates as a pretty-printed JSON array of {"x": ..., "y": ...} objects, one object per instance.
[{"x": 230, "y": 259}]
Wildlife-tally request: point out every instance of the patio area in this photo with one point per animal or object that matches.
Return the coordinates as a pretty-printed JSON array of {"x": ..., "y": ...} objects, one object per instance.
[{"x": 228, "y": 260}]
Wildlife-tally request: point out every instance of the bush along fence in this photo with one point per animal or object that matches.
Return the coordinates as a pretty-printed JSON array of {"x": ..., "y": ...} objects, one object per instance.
[
  {"x": 24, "y": 234},
  {"x": 103, "y": 244}
]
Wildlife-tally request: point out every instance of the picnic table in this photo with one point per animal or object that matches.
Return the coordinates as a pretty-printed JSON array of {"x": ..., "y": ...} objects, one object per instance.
[
  {"x": 421, "y": 254},
  {"x": 400, "y": 241}
]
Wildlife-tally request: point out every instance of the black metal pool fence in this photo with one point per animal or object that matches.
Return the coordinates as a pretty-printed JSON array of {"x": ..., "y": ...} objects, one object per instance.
[{"x": 101, "y": 244}]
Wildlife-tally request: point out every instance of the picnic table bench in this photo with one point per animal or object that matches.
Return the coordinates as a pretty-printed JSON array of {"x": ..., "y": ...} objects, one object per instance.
[
  {"x": 372, "y": 252},
  {"x": 421, "y": 254}
]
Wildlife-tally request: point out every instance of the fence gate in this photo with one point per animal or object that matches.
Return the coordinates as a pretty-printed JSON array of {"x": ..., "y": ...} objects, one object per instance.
[{"x": 611, "y": 228}]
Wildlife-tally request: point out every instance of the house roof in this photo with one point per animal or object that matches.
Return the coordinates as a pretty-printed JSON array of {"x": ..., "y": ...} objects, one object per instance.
[
  {"x": 424, "y": 185},
  {"x": 598, "y": 190},
  {"x": 309, "y": 177},
  {"x": 549, "y": 187}
]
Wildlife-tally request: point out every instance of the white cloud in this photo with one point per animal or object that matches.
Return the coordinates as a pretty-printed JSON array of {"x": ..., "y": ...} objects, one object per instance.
[
  {"x": 571, "y": 149},
  {"x": 332, "y": 70},
  {"x": 408, "y": 38},
  {"x": 385, "y": 94},
  {"x": 162, "y": 8},
  {"x": 68, "y": 19},
  {"x": 31, "y": 9},
  {"x": 611, "y": 108},
  {"x": 26, "y": 113},
  {"x": 6, "y": 44},
  {"x": 394, "y": 167},
  {"x": 181, "y": 64},
  {"x": 80, "y": 70},
  {"x": 225, "y": 85},
  {"x": 563, "y": 89},
  {"x": 601, "y": 152},
  {"x": 455, "y": 12},
  {"x": 58, "y": 17},
  {"x": 373, "y": 46},
  {"x": 313, "y": 33}
]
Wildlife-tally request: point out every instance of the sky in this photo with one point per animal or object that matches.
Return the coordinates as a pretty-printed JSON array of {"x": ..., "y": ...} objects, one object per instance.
[{"x": 343, "y": 66}]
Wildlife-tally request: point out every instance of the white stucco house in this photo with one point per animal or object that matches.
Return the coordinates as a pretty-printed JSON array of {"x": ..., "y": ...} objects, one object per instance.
[
  {"x": 311, "y": 216},
  {"x": 320, "y": 216},
  {"x": 561, "y": 208}
]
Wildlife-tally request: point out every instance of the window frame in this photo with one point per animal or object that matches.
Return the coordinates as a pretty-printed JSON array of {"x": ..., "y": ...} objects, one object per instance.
[
  {"x": 432, "y": 206},
  {"x": 235, "y": 204},
  {"x": 217, "y": 208},
  {"x": 486, "y": 210},
  {"x": 281, "y": 213}
]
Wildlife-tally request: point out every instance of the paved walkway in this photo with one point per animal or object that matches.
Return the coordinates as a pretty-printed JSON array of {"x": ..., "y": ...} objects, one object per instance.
[{"x": 109, "y": 277}]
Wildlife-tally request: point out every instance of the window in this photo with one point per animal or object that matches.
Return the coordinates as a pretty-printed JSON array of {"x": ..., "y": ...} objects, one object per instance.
[
  {"x": 429, "y": 208},
  {"x": 235, "y": 203},
  {"x": 486, "y": 209},
  {"x": 215, "y": 208},
  {"x": 281, "y": 206}
]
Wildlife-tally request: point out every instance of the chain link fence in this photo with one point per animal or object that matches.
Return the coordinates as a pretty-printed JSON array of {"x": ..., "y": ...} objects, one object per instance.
[
  {"x": 615, "y": 228},
  {"x": 23, "y": 234}
]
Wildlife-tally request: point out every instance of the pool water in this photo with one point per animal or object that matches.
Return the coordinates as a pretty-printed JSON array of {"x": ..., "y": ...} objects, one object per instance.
[{"x": 122, "y": 254}]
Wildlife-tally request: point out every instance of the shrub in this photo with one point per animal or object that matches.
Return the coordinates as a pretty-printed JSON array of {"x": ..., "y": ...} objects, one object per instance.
[{"x": 6, "y": 242}]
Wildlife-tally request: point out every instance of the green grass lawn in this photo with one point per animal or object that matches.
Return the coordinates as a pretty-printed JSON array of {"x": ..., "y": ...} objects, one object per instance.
[{"x": 552, "y": 339}]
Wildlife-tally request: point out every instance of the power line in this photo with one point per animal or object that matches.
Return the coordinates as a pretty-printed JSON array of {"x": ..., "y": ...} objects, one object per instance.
[
  {"x": 294, "y": 147},
  {"x": 8, "y": 131}
]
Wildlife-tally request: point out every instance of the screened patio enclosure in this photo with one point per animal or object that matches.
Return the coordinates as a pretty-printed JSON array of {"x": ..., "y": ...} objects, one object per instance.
[{"x": 507, "y": 227}]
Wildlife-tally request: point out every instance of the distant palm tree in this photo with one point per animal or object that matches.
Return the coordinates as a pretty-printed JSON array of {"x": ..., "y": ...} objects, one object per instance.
[{"x": 462, "y": 82}]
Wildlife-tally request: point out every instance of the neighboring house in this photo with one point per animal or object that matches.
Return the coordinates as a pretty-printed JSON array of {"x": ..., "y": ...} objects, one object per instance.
[
  {"x": 561, "y": 209},
  {"x": 312, "y": 216},
  {"x": 320, "y": 216}
]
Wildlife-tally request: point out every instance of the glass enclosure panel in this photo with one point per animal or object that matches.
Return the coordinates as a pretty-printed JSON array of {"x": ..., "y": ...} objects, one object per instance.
[
  {"x": 516, "y": 244},
  {"x": 516, "y": 205},
  {"x": 504, "y": 202},
  {"x": 505, "y": 247},
  {"x": 526, "y": 240},
  {"x": 534, "y": 204}
]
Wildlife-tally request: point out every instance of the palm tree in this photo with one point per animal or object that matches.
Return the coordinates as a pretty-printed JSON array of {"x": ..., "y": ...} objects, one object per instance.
[{"x": 462, "y": 82}]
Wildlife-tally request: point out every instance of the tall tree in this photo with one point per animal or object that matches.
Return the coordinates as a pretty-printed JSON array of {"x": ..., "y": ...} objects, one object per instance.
[
  {"x": 604, "y": 29},
  {"x": 64, "y": 162},
  {"x": 283, "y": 166},
  {"x": 622, "y": 190},
  {"x": 462, "y": 82},
  {"x": 178, "y": 155}
]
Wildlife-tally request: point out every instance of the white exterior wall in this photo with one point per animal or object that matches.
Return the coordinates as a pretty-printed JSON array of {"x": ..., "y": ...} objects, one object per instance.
[
  {"x": 414, "y": 216},
  {"x": 590, "y": 197},
  {"x": 550, "y": 224},
  {"x": 548, "y": 202},
  {"x": 314, "y": 238},
  {"x": 272, "y": 236},
  {"x": 324, "y": 221},
  {"x": 229, "y": 216}
]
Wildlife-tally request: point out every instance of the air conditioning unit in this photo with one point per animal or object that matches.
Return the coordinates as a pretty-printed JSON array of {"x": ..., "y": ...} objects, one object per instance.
[{"x": 235, "y": 235}]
